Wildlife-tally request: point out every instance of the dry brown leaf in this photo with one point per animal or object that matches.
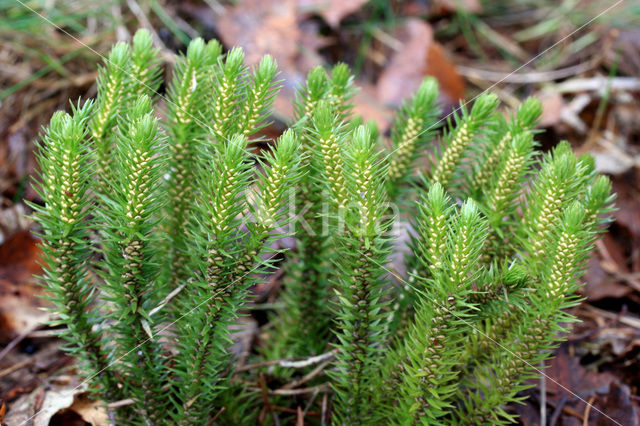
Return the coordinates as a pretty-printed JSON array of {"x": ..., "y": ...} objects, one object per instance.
[
  {"x": 599, "y": 285},
  {"x": 68, "y": 405},
  {"x": 12, "y": 220},
  {"x": 627, "y": 195},
  {"x": 260, "y": 28},
  {"x": 54, "y": 401},
  {"x": 3, "y": 410},
  {"x": 20, "y": 304},
  {"x": 367, "y": 106},
  {"x": 332, "y": 11},
  {"x": 552, "y": 104},
  {"x": 22, "y": 408},
  {"x": 618, "y": 340},
  {"x": 23, "y": 369},
  {"x": 570, "y": 377},
  {"x": 91, "y": 411},
  {"x": 451, "y": 83},
  {"x": 612, "y": 162},
  {"x": 419, "y": 56},
  {"x": 403, "y": 74},
  {"x": 613, "y": 253}
]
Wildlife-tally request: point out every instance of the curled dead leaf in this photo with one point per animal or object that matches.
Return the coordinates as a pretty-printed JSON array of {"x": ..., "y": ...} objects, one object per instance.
[
  {"x": 419, "y": 56},
  {"x": 68, "y": 405},
  {"x": 91, "y": 411},
  {"x": 20, "y": 304}
]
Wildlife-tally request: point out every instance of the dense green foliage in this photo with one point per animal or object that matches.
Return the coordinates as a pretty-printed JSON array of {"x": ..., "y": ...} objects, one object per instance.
[{"x": 155, "y": 230}]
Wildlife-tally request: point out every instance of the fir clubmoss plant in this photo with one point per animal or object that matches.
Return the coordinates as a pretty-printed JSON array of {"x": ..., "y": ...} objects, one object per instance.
[
  {"x": 130, "y": 268},
  {"x": 458, "y": 141},
  {"x": 321, "y": 108},
  {"x": 363, "y": 248},
  {"x": 187, "y": 129},
  {"x": 155, "y": 231},
  {"x": 412, "y": 130},
  {"x": 225, "y": 257},
  {"x": 65, "y": 172},
  {"x": 111, "y": 98}
]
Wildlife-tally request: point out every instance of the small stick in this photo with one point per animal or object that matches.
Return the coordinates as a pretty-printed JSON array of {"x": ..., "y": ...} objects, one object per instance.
[
  {"x": 42, "y": 334},
  {"x": 301, "y": 391},
  {"x": 323, "y": 417},
  {"x": 309, "y": 361},
  {"x": 525, "y": 78},
  {"x": 288, "y": 363},
  {"x": 543, "y": 395},
  {"x": 135, "y": 8},
  {"x": 12, "y": 344},
  {"x": 565, "y": 409},
  {"x": 557, "y": 411},
  {"x": 121, "y": 403},
  {"x": 166, "y": 300},
  {"x": 597, "y": 83},
  {"x": 587, "y": 410},
  {"x": 570, "y": 411},
  {"x": 265, "y": 397},
  {"x": 313, "y": 373},
  {"x": 216, "y": 416},
  {"x": 300, "y": 417},
  {"x": 313, "y": 398},
  {"x": 292, "y": 411},
  {"x": 17, "y": 367}
]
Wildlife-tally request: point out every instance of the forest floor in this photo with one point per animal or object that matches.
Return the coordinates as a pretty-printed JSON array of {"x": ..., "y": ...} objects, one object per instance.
[{"x": 580, "y": 57}]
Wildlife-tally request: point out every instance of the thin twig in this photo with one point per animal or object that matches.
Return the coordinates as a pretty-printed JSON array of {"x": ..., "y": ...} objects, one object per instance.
[
  {"x": 301, "y": 391},
  {"x": 313, "y": 373},
  {"x": 299, "y": 417},
  {"x": 543, "y": 396},
  {"x": 292, "y": 411},
  {"x": 222, "y": 410},
  {"x": 135, "y": 8},
  {"x": 121, "y": 403},
  {"x": 557, "y": 411},
  {"x": 166, "y": 300},
  {"x": 623, "y": 319},
  {"x": 501, "y": 41},
  {"x": 525, "y": 78},
  {"x": 323, "y": 417},
  {"x": 309, "y": 361},
  {"x": 12, "y": 344},
  {"x": 565, "y": 409},
  {"x": 43, "y": 334},
  {"x": 311, "y": 400},
  {"x": 258, "y": 365},
  {"x": 598, "y": 84},
  {"x": 27, "y": 362},
  {"x": 587, "y": 410},
  {"x": 290, "y": 363},
  {"x": 265, "y": 397}
]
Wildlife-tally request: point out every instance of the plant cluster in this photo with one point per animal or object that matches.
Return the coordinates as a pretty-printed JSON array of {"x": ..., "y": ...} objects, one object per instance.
[{"x": 155, "y": 230}]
